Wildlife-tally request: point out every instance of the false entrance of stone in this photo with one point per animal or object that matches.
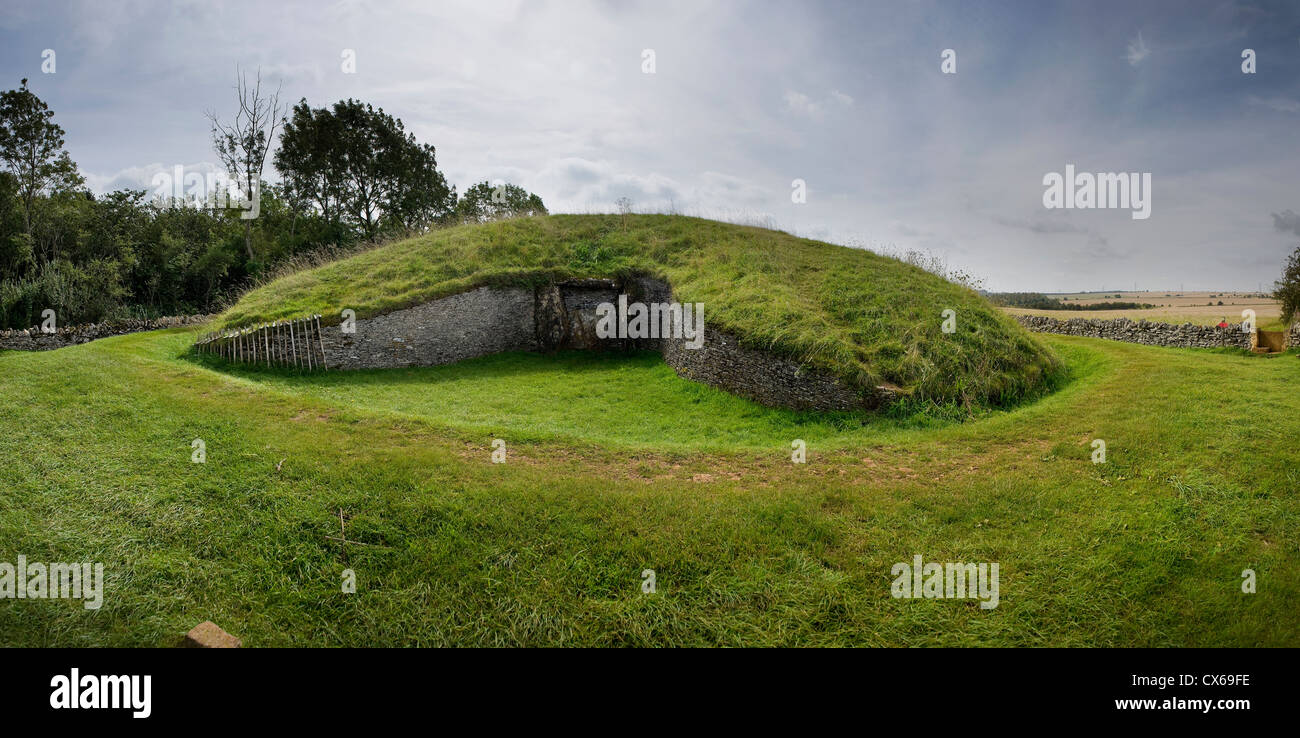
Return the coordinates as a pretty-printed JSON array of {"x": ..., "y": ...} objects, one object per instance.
[{"x": 564, "y": 315}]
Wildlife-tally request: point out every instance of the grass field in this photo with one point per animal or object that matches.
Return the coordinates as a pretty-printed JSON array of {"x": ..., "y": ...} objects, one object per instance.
[
  {"x": 863, "y": 317},
  {"x": 1202, "y": 481},
  {"x": 1173, "y": 307}
]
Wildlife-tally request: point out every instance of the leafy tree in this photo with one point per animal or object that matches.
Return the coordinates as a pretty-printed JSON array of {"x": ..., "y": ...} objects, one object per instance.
[
  {"x": 15, "y": 248},
  {"x": 31, "y": 149},
  {"x": 484, "y": 202},
  {"x": 357, "y": 165},
  {"x": 1288, "y": 288},
  {"x": 350, "y": 172},
  {"x": 310, "y": 180}
]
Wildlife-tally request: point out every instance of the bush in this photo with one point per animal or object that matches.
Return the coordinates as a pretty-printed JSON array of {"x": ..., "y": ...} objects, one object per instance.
[
  {"x": 87, "y": 294},
  {"x": 1288, "y": 288}
]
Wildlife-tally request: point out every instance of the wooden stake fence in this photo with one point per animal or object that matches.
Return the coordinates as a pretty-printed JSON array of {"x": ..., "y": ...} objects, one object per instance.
[{"x": 290, "y": 343}]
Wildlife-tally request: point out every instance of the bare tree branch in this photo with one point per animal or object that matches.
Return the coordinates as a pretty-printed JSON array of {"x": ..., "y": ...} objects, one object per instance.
[{"x": 243, "y": 144}]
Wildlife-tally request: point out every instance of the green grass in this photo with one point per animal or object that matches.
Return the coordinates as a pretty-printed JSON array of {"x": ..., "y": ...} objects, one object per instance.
[
  {"x": 579, "y": 396},
  {"x": 863, "y": 317},
  {"x": 1202, "y": 481}
]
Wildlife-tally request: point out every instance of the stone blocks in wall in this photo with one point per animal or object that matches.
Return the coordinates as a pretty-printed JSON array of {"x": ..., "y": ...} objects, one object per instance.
[
  {"x": 32, "y": 339},
  {"x": 762, "y": 377},
  {"x": 563, "y": 316},
  {"x": 1151, "y": 334},
  {"x": 475, "y": 323},
  {"x": 756, "y": 375},
  {"x": 574, "y": 311}
]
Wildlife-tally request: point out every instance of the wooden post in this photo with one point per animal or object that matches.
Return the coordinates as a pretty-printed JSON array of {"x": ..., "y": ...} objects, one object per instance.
[
  {"x": 293, "y": 346},
  {"x": 320, "y": 341},
  {"x": 306, "y": 337}
]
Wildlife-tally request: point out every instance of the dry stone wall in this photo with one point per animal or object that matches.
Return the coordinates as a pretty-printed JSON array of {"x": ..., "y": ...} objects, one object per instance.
[
  {"x": 762, "y": 377},
  {"x": 475, "y": 323},
  {"x": 757, "y": 375},
  {"x": 490, "y": 320},
  {"x": 32, "y": 339},
  {"x": 1152, "y": 334}
]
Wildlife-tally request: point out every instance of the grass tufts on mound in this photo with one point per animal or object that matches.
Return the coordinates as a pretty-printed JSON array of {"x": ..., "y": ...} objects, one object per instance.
[{"x": 863, "y": 317}]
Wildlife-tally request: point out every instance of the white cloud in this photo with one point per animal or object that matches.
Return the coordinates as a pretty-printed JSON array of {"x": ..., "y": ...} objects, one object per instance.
[
  {"x": 551, "y": 97},
  {"x": 805, "y": 105},
  {"x": 1137, "y": 50},
  {"x": 1280, "y": 104},
  {"x": 141, "y": 177},
  {"x": 801, "y": 103}
]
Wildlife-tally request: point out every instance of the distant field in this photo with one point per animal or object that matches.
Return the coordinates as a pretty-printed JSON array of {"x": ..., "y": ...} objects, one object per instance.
[{"x": 1171, "y": 307}]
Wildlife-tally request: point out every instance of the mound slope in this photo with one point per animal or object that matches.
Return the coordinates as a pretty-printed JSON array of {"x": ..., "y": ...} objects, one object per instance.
[{"x": 864, "y": 318}]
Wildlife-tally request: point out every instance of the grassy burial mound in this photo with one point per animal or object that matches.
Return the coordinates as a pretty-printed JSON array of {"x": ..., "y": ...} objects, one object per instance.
[{"x": 864, "y": 318}]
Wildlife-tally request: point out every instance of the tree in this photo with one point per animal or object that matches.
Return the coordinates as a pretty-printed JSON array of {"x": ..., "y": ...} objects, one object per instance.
[
  {"x": 15, "y": 248},
  {"x": 484, "y": 202},
  {"x": 358, "y": 165},
  {"x": 31, "y": 148},
  {"x": 243, "y": 144},
  {"x": 1288, "y": 288},
  {"x": 311, "y": 180}
]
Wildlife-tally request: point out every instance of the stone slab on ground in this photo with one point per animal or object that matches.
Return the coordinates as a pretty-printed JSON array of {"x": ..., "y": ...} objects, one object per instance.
[{"x": 208, "y": 635}]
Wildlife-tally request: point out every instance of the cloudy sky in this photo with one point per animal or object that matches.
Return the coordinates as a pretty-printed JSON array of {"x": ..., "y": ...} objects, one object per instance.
[{"x": 746, "y": 97}]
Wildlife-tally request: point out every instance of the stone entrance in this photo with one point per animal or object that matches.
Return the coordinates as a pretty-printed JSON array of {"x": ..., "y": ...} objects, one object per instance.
[{"x": 560, "y": 316}]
